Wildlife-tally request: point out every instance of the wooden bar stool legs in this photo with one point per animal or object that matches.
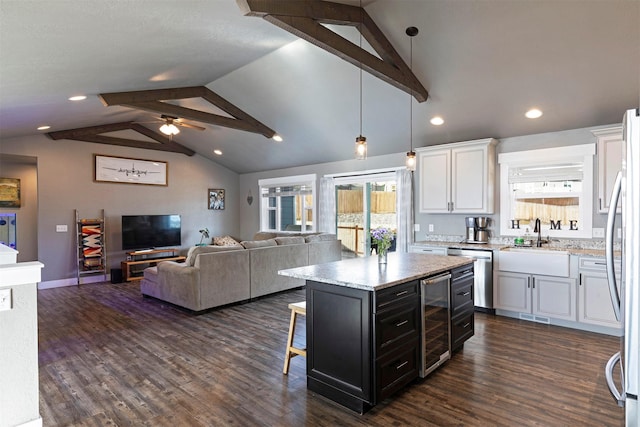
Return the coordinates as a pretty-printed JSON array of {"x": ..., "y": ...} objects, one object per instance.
[{"x": 296, "y": 308}]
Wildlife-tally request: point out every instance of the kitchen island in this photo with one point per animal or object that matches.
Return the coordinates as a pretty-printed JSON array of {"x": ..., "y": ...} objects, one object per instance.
[{"x": 364, "y": 324}]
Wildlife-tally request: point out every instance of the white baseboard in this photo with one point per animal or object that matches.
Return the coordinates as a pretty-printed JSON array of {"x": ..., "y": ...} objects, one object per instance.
[{"x": 72, "y": 281}]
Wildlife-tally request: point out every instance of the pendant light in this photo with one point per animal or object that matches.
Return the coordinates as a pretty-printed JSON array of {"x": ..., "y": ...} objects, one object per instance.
[
  {"x": 361, "y": 141},
  {"x": 411, "y": 155}
]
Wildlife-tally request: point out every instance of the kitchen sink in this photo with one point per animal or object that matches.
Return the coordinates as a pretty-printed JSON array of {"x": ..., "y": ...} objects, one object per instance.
[{"x": 547, "y": 262}]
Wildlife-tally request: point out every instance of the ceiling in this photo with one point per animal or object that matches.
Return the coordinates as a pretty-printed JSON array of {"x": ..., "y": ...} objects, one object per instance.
[{"x": 484, "y": 64}]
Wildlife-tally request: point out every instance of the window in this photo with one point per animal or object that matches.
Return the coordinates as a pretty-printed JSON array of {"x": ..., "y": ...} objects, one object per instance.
[
  {"x": 553, "y": 185},
  {"x": 286, "y": 204}
]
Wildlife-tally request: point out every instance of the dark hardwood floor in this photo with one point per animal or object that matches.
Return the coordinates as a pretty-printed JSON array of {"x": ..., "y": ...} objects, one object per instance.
[{"x": 110, "y": 357}]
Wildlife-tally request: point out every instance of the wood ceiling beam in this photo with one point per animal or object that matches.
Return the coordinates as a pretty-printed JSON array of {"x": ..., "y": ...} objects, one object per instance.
[
  {"x": 303, "y": 18},
  {"x": 94, "y": 134},
  {"x": 155, "y": 101}
]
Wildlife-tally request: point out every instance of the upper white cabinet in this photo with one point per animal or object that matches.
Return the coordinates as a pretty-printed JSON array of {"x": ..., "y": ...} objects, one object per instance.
[
  {"x": 458, "y": 177},
  {"x": 609, "y": 142}
]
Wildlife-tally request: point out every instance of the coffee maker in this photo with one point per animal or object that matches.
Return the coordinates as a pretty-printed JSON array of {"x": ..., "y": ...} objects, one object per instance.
[{"x": 477, "y": 231}]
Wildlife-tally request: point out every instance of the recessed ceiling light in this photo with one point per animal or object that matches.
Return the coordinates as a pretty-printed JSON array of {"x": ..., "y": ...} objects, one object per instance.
[
  {"x": 277, "y": 138},
  {"x": 533, "y": 113},
  {"x": 218, "y": 152},
  {"x": 78, "y": 98},
  {"x": 44, "y": 127},
  {"x": 437, "y": 120}
]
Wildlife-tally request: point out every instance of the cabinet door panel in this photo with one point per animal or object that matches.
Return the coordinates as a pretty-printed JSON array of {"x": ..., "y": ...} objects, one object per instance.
[
  {"x": 435, "y": 181},
  {"x": 468, "y": 186},
  {"x": 595, "y": 306},
  {"x": 554, "y": 297},
  {"x": 513, "y": 292},
  {"x": 609, "y": 163}
]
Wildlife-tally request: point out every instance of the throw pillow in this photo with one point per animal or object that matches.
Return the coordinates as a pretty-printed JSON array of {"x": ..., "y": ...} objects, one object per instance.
[
  {"x": 225, "y": 241},
  {"x": 289, "y": 240},
  {"x": 250, "y": 244}
]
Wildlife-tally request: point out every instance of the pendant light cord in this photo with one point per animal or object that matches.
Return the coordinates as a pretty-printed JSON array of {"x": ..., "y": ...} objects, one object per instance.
[
  {"x": 411, "y": 96},
  {"x": 360, "y": 32}
]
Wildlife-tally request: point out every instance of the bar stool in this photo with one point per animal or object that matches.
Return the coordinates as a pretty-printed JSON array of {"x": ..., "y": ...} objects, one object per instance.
[{"x": 296, "y": 308}]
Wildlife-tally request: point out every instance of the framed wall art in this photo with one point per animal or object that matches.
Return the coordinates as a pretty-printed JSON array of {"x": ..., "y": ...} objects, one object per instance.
[
  {"x": 216, "y": 199},
  {"x": 9, "y": 193},
  {"x": 130, "y": 171}
]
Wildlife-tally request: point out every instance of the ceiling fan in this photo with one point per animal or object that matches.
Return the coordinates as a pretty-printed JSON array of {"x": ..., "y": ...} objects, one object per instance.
[{"x": 170, "y": 125}]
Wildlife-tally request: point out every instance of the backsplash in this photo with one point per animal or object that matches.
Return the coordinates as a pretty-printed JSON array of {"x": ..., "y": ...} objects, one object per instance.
[{"x": 598, "y": 244}]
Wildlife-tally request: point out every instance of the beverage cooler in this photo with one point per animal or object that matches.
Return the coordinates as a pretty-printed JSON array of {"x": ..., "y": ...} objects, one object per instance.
[{"x": 435, "y": 315}]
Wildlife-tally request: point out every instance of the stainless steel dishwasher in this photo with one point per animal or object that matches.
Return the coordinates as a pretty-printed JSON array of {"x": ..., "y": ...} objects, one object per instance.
[{"x": 483, "y": 277}]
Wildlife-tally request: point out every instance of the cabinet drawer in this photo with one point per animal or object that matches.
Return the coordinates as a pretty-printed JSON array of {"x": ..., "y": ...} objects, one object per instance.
[
  {"x": 396, "y": 295},
  {"x": 397, "y": 369},
  {"x": 462, "y": 274},
  {"x": 462, "y": 328},
  {"x": 461, "y": 297},
  {"x": 397, "y": 325}
]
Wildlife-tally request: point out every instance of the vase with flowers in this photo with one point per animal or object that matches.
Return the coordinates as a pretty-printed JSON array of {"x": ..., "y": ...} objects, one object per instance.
[{"x": 382, "y": 237}]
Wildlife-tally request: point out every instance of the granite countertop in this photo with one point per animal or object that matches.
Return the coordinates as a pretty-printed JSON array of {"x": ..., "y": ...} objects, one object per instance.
[
  {"x": 600, "y": 253},
  {"x": 367, "y": 274}
]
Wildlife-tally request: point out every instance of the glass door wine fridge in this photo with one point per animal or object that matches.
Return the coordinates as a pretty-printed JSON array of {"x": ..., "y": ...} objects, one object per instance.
[{"x": 435, "y": 314}]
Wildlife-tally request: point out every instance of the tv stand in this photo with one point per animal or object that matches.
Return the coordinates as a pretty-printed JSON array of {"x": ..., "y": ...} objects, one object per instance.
[{"x": 137, "y": 261}]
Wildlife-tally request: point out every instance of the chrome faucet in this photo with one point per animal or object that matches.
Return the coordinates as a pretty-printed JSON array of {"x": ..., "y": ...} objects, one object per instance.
[{"x": 538, "y": 229}]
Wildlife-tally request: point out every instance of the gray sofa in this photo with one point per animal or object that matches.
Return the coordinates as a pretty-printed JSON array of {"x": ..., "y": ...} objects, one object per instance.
[{"x": 214, "y": 276}]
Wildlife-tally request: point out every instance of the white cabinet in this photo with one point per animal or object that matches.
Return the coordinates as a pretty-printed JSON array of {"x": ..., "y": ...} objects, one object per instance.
[
  {"x": 430, "y": 250},
  {"x": 458, "y": 177},
  {"x": 594, "y": 301},
  {"x": 609, "y": 143},
  {"x": 536, "y": 294}
]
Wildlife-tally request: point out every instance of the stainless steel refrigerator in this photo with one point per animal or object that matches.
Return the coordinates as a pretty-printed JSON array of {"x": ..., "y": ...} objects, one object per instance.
[{"x": 625, "y": 295}]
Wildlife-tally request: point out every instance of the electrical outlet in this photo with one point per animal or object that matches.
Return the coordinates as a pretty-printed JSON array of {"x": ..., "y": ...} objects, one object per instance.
[
  {"x": 5, "y": 299},
  {"x": 430, "y": 228},
  {"x": 61, "y": 228},
  {"x": 416, "y": 227},
  {"x": 598, "y": 233}
]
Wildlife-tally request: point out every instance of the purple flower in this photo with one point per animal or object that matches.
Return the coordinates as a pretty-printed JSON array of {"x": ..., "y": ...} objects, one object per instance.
[{"x": 382, "y": 237}]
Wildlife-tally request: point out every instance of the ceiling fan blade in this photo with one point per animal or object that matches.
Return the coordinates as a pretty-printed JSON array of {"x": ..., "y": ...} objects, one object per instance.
[{"x": 188, "y": 125}]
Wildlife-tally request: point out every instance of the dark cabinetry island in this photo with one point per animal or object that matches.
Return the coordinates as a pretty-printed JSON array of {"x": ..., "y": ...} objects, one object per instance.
[{"x": 364, "y": 324}]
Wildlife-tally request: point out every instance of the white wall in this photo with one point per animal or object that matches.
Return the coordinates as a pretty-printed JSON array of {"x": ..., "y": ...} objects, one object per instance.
[
  {"x": 447, "y": 224},
  {"x": 66, "y": 182},
  {"x": 27, "y": 214}
]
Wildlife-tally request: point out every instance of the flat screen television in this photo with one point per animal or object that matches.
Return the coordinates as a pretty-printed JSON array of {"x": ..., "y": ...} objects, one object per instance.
[{"x": 150, "y": 231}]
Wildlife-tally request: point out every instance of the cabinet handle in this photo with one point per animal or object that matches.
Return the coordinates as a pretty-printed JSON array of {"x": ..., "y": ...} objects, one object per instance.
[
  {"x": 466, "y": 325},
  {"x": 580, "y": 279},
  {"x": 533, "y": 282},
  {"x": 600, "y": 203},
  {"x": 399, "y": 294},
  {"x": 528, "y": 282},
  {"x": 402, "y": 364},
  {"x": 464, "y": 294},
  {"x": 402, "y": 323}
]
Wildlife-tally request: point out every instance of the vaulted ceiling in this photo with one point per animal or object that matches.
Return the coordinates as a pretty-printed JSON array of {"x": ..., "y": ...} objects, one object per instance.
[{"x": 483, "y": 63}]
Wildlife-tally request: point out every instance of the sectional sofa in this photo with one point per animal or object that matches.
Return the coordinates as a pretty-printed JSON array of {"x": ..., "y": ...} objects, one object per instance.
[{"x": 214, "y": 276}]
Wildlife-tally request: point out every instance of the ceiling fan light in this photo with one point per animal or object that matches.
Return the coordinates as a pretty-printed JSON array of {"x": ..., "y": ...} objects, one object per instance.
[
  {"x": 277, "y": 138},
  {"x": 169, "y": 129},
  {"x": 361, "y": 148},
  {"x": 410, "y": 162}
]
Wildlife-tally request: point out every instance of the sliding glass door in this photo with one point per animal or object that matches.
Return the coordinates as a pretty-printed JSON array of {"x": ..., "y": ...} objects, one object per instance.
[{"x": 364, "y": 203}]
